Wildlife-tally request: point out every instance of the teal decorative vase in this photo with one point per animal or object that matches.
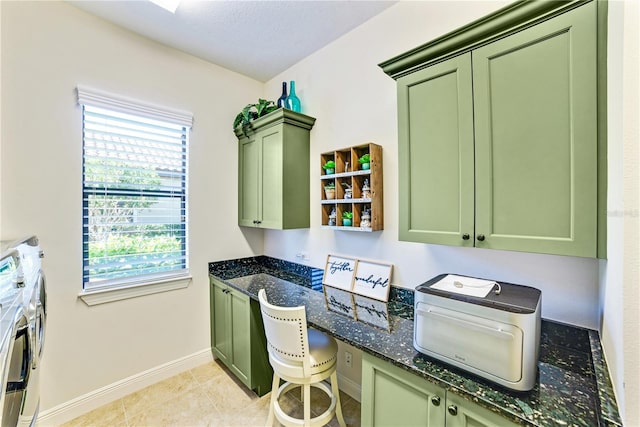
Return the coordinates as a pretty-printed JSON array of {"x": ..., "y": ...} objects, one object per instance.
[
  {"x": 346, "y": 222},
  {"x": 365, "y": 166},
  {"x": 282, "y": 101},
  {"x": 293, "y": 102}
]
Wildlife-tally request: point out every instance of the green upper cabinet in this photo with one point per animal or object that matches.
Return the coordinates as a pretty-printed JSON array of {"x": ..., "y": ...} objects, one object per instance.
[
  {"x": 273, "y": 171},
  {"x": 499, "y": 128}
]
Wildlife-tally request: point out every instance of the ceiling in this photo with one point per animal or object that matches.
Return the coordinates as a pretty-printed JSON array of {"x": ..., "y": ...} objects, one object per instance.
[{"x": 259, "y": 39}]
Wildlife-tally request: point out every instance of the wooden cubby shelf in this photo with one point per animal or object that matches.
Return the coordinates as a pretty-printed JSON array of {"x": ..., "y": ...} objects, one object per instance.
[{"x": 356, "y": 189}]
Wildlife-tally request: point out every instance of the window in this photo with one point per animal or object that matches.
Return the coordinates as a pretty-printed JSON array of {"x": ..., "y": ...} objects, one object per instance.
[{"x": 134, "y": 192}]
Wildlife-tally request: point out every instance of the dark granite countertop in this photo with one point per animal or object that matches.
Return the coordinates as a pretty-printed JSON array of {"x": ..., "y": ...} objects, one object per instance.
[{"x": 573, "y": 387}]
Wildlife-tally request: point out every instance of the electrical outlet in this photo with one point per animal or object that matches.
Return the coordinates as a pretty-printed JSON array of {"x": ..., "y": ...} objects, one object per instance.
[{"x": 347, "y": 359}]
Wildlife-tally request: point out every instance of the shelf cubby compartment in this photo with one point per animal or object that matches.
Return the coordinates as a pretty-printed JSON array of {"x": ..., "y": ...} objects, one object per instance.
[
  {"x": 324, "y": 158},
  {"x": 365, "y": 186}
]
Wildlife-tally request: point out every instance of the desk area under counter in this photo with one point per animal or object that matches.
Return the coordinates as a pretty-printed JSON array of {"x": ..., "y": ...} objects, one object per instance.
[{"x": 573, "y": 386}]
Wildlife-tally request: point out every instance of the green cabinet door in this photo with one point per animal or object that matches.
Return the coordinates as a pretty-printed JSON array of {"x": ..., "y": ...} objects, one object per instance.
[
  {"x": 394, "y": 397},
  {"x": 536, "y": 137},
  {"x": 237, "y": 336},
  {"x": 240, "y": 336},
  {"x": 248, "y": 180},
  {"x": 273, "y": 171},
  {"x": 270, "y": 198},
  {"x": 435, "y": 148},
  {"x": 220, "y": 336},
  {"x": 464, "y": 413}
]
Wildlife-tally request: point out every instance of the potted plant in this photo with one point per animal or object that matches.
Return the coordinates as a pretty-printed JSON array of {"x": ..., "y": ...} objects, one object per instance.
[
  {"x": 330, "y": 191},
  {"x": 251, "y": 112},
  {"x": 329, "y": 167},
  {"x": 364, "y": 161},
  {"x": 347, "y": 217}
]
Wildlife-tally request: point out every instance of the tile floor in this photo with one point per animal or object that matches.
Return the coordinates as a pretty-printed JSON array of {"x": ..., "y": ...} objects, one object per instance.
[{"x": 208, "y": 395}]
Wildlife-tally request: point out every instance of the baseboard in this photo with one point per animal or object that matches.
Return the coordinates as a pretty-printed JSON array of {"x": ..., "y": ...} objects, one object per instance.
[
  {"x": 73, "y": 408},
  {"x": 350, "y": 387}
]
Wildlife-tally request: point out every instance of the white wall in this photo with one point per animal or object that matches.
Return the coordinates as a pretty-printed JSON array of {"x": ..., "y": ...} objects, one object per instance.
[
  {"x": 355, "y": 102},
  {"x": 620, "y": 298},
  {"x": 49, "y": 48}
]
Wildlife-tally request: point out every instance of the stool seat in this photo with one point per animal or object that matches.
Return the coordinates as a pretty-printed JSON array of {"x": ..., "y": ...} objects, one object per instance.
[
  {"x": 303, "y": 358},
  {"x": 323, "y": 350}
]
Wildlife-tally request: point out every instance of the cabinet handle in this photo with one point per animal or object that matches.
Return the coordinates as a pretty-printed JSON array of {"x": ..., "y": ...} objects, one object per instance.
[
  {"x": 453, "y": 410},
  {"x": 465, "y": 236},
  {"x": 435, "y": 400},
  {"x": 480, "y": 237}
]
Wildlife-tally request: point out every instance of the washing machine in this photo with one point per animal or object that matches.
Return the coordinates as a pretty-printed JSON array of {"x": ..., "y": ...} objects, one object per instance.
[
  {"x": 15, "y": 343},
  {"x": 34, "y": 304},
  {"x": 34, "y": 309}
]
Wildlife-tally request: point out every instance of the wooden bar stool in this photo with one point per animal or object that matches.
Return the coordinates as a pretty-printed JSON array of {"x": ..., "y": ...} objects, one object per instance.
[{"x": 302, "y": 358}]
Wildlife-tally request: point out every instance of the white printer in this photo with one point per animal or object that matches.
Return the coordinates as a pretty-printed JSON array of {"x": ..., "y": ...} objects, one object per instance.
[{"x": 496, "y": 336}]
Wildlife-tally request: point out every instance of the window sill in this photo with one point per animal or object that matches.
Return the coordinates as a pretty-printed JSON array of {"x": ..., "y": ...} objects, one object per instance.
[{"x": 102, "y": 296}]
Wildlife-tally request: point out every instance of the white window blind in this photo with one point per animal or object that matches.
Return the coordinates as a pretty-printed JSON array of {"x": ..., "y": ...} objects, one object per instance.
[{"x": 134, "y": 193}]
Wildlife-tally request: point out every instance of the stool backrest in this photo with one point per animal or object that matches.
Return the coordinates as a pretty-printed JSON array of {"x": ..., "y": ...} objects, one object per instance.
[{"x": 287, "y": 339}]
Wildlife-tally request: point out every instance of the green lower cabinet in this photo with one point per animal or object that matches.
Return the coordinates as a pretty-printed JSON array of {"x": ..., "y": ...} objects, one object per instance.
[
  {"x": 394, "y": 397},
  {"x": 237, "y": 336}
]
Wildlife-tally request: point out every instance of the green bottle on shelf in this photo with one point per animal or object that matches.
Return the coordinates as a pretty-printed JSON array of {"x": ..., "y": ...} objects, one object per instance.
[{"x": 293, "y": 102}]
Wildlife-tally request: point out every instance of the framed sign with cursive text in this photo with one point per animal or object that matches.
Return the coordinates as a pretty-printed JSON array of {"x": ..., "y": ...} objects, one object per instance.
[
  {"x": 339, "y": 271},
  {"x": 372, "y": 279}
]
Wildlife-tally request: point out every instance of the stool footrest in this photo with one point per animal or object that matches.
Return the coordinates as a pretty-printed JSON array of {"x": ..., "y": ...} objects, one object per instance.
[{"x": 320, "y": 420}]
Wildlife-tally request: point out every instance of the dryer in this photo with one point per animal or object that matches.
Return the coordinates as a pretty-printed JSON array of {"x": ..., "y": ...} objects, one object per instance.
[
  {"x": 34, "y": 304},
  {"x": 15, "y": 345}
]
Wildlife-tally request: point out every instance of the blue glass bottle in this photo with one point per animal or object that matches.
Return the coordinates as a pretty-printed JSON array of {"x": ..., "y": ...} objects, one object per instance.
[
  {"x": 293, "y": 102},
  {"x": 282, "y": 101}
]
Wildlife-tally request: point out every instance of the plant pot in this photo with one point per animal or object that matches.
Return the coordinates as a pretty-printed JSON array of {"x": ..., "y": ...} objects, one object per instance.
[
  {"x": 365, "y": 166},
  {"x": 329, "y": 171},
  {"x": 330, "y": 193},
  {"x": 346, "y": 222}
]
